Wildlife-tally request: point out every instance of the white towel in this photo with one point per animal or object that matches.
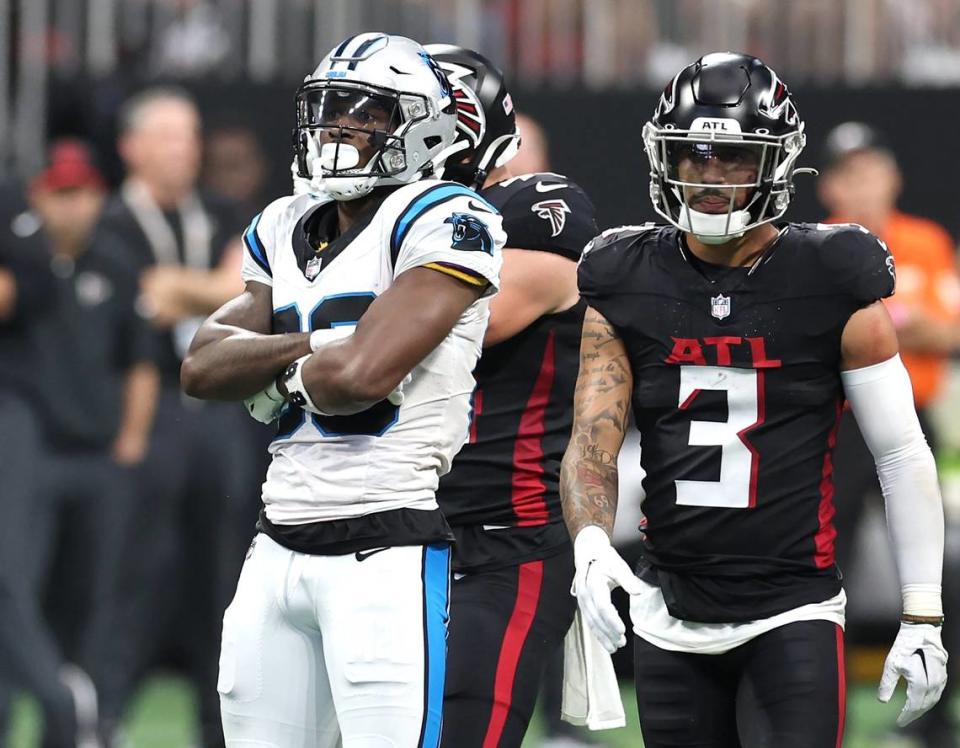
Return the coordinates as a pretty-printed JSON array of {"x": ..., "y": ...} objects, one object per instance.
[{"x": 591, "y": 694}]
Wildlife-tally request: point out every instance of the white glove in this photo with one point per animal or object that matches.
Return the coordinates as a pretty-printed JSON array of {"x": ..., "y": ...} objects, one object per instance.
[
  {"x": 266, "y": 405},
  {"x": 599, "y": 568},
  {"x": 918, "y": 655}
]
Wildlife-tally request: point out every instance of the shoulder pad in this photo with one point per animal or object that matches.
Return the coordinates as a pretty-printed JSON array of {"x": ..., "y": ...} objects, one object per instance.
[
  {"x": 607, "y": 258},
  {"x": 549, "y": 213},
  {"x": 407, "y": 205},
  {"x": 613, "y": 236},
  {"x": 857, "y": 262}
]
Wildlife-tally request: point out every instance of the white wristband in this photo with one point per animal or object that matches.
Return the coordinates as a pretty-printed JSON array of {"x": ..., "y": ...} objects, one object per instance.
[
  {"x": 922, "y": 600},
  {"x": 319, "y": 338},
  {"x": 297, "y": 394}
]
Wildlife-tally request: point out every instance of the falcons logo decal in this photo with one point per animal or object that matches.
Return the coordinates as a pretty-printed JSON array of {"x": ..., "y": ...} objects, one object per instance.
[
  {"x": 554, "y": 211},
  {"x": 471, "y": 121}
]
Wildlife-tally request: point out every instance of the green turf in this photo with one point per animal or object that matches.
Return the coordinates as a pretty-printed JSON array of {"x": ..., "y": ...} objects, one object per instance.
[{"x": 163, "y": 716}]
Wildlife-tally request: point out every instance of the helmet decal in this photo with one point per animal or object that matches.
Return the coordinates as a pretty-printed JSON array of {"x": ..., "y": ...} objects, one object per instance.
[{"x": 471, "y": 120}]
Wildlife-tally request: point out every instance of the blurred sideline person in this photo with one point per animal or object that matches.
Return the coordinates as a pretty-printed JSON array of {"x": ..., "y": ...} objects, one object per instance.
[
  {"x": 29, "y": 654},
  {"x": 234, "y": 165},
  {"x": 861, "y": 184},
  {"x": 196, "y": 500},
  {"x": 735, "y": 341},
  {"x": 99, "y": 384},
  {"x": 362, "y": 320},
  {"x": 510, "y": 604}
]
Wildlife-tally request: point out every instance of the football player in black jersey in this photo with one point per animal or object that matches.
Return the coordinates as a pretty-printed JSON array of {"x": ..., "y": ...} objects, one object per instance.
[
  {"x": 510, "y": 602},
  {"x": 736, "y": 339}
]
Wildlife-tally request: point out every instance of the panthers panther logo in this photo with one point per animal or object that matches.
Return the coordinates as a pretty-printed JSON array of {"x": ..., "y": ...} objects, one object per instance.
[{"x": 470, "y": 233}]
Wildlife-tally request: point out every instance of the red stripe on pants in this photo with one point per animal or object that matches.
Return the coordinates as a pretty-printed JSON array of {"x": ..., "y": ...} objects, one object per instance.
[
  {"x": 530, "y": 579},
  {"x": 841, "y": 688}
]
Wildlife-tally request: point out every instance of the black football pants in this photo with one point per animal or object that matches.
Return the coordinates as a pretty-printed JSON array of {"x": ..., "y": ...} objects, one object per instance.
[
  {"x": 504, "y": 627},
  {"x": 29, "y": 655},
  {"x": 784, "y": 689}
]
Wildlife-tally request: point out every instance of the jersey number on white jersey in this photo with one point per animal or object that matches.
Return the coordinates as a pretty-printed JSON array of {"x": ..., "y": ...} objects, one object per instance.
[{"x": 338, "y": 310}]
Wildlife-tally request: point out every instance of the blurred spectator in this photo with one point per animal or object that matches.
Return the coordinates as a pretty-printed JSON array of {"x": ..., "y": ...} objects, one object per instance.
[
  {"x": 29, "y": 656},
  {"x": 199, "y": 485},
  {"x": 99, "y": 390},
  {"x": 861, "y": 184},
  {"x": 235, "y": 167},
  {"x": 534, "y": 153},
  {"x": 194, "y": 43}
]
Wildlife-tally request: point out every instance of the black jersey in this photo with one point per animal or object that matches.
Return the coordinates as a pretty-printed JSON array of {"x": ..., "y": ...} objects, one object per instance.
[
  {"x": 737, "y": 396},
  {"x": 507, "y": 475}
]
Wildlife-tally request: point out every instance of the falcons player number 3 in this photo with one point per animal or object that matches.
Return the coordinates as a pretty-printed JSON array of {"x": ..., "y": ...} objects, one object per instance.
[
  {"x": 739, "y": 460},
  {"x": 339, "y": 310}
]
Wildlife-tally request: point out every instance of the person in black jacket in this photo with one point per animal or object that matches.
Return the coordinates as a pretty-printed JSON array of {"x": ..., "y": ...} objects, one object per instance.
[{"x": 28, "y": 652}]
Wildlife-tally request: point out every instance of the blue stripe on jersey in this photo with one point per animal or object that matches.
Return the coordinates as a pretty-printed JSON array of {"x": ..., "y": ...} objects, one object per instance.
[
  {"x": 426, "y": 200},
  {"x": 436, "y": 613},
  {"x": 255, "y": 247}
]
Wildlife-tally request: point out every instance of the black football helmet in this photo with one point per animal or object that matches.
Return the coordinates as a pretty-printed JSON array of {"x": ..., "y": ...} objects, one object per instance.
[
  {"x": 730, "y": 107},
  {"x": 486, "y": 122}
]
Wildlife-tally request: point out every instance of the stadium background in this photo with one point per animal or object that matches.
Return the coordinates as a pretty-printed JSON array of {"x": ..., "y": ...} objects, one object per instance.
[{"x": 589, "y": 72}]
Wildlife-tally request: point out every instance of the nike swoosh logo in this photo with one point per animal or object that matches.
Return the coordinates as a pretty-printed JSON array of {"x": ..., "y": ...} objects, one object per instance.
[
  {"x": 457, "y": 576},
  {"x": 923, "y": 660},
  {"x": 482, "y": 208},
  {"x": 541, "y": 187},
  {"x": 364, "y": 555},
  {"x": 496, "y": 527}
]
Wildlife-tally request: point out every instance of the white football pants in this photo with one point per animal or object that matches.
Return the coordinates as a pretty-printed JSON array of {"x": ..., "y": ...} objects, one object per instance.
[{"x": 326, "y": 651}]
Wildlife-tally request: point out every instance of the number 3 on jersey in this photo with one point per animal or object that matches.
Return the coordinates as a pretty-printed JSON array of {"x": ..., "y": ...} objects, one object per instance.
[
  {"x": 739, "y": 460},
  {"x": 340, "y": 310}
]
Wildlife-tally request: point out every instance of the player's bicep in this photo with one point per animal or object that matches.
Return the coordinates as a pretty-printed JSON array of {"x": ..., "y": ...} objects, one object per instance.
[
  {"x": 868, "y": 338},
  {"x": 251, "y": 311},
  {"x": 405, "y": 323},
  {"x": 532, "y": 284},
  {"x": 604, "y": 385}
]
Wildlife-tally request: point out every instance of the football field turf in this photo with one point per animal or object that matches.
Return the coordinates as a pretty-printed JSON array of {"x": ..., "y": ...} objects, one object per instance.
[{"x": 163, "y": 717}]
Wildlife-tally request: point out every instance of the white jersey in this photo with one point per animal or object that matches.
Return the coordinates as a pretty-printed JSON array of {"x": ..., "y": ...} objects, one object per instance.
[{"x": 387, "y": 457}]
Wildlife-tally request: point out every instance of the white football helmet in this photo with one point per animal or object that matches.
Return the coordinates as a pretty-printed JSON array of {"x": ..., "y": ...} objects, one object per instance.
[{"x": 375, "y": 94}]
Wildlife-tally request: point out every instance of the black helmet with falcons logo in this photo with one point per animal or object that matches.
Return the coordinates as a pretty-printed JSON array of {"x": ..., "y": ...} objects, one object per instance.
[
  {"x": 486, "y": 122},
  {"x": 724, "y": 106}
]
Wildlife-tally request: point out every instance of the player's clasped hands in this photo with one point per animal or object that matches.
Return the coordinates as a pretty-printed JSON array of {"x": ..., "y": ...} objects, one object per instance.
[
  {"x": 918, "y": 656},
  {"x": 599, "y": 569}
]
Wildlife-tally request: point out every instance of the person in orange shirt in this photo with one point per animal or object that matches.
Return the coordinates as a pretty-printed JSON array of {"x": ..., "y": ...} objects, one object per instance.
[{"x": 861, "y": 183}]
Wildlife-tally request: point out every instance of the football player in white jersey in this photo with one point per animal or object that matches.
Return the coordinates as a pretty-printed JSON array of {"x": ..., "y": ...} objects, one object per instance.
[{"x": 362, "y": 319}]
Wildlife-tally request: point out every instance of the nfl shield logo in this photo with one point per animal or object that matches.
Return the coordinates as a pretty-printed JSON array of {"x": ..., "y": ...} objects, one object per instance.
[
  {"x": 720, "y": 306},
  {"x": 312, "y": 269}
]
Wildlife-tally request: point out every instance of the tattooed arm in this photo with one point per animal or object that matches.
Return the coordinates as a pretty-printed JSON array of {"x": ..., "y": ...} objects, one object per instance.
[{"x": 588, "y": 476}]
